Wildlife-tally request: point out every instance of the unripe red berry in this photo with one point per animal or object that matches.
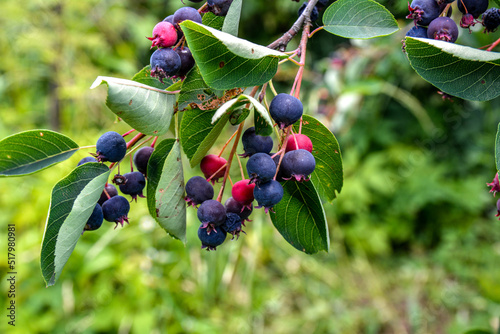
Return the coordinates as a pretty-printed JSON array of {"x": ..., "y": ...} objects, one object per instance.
[
  {"x": 211, "y": 164},
  {"x": 243, "y": 192},
  {"x": 298, "y": 141},
  {"x": 164, "y": 35}
]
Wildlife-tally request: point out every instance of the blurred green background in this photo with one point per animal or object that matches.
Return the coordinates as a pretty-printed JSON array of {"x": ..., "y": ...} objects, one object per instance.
[{"x": 415, "y": 245}]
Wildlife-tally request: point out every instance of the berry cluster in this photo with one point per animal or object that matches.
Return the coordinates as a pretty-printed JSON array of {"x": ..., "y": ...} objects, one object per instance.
[
  {"x": 265, "y": 170},
  {"x": 432, "y": 18}
]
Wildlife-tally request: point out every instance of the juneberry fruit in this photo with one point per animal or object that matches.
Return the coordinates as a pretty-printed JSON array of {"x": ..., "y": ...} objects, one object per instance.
[
  {"x": 187, "y": 60},
  {"x": 164, "y": 35},
  {"x": 443, "y": 28},
  {"x": 164, "y": 63},
  {"x": 234, "y": 206},
  {"x": 95, "y": 219},
  {"x": 495, "y": 185},
  {"x": 109, "y": 190},
  {"x": 254, "y": 143},
  {"x": 186, "y": 13},
  {"x": 285, "y": 109},
  {"x": 298, "y": 141},
  {"x": 314, "y": 14},
  {"x": 298, "y": 165},
  {"x": 211, "y": 213},
  {"x": 110, "y": 147},
  {"x": 212, "y": 164},
  {"x": 198, "y": 190},
  {"x": 211, "y": 239},
  {"x": 268, "y": 194},
  {"x": 473, "y": 7},
  {"x": 219, "y": 7},
  {"x": 467, "y": 21},
  {"x": 196, "y": 0},
  {"x": 85, "y": 160},
  {"x": 498, "y": 209},
  {"x": 261, "y": 168},
  {"x": 141, "y": 159},
  {"x": 491, "y": 19},
  {"x": 418, "y": 32},
  {"x": 232, "y": 225},
  {"x": 422, "y": 12},
  {"x": 242, "y": 192},
  {"x": 134, "y": 184},
  {"x": 116, "y": 210}
]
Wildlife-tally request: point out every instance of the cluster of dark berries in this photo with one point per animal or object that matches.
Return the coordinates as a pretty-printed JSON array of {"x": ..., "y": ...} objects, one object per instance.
[
  {"x": 112, "y": 207},
  {"x": 265, "y": 170},
  {"x": 432, "y": 18},
  {"x": 320, "y": 5}
]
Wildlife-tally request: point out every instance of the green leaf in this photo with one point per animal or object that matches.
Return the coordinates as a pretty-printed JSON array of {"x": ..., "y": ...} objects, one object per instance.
[
  {"x": 170, "y": 207},
  {"x": 232, "y": 21},
  {"x": 328, "y": 174},
  {"x": 144, "y": 77},
  {"x": 227, "y": 62},
  {"x": 359, "y": 19},
  {"x": 155, "y": 169},
  {"x": 457, "y": 70},
  {"x": 238, "y": 116},
  {"x": 30, "y": 151},
  {"x": 198, "y": 134},
  {"x": 213, "y": 21},
  {"x": 497, "y": 148},
  {"x": 147, "y": 109},
  {"x": 497, "y": 2},
  {"x": 300, "y": 218},
  {"x": 72, "y": 202},
  {"x": 195, "y": 92}
]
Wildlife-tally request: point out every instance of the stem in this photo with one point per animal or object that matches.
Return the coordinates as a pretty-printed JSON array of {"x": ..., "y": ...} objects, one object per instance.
[
  {"x": 215, "y": 173},
  {"x": 303, "y": 47},
  {"x": 154, "y": 141},
  {"x": 241, "y": 167},
  {"x": 176, "y": 120},
  {"x": 227, "y": 143},
  {"x": 283, "y": 146},
  {"x": 315, "y": 31},
  {"x": 263, "y": 92},
  {"x": 134, "y": 140},
  {"x": 492, "y": 46},
  {"x": 272, "y": 87},
  {"x": 83, "y": 147},
  {"x": 128, "y": 132}
]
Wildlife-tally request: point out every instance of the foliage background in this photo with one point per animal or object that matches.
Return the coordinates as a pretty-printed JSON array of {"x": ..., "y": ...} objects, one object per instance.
[{"x": 415, "y": 246}]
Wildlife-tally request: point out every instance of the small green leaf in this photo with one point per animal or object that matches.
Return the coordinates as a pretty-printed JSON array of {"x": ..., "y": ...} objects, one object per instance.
[
  {"x": 227, "y": 108},
  {"x": 359, "y": 19},
  {"x": 213, "y": 21},
  {"x": 72, "y": 202},
  {"x": 169, "y": 195},
  {"x": 300, "y": 218},
  {"x": 198, "y": 134},
  {"x": 238, "y": 116},
  {"x": 144, "y": 77},
  {"x": 232, "y": 21},
  {"x": 328, "y": 174},
  {"x": 195, "y": 91},
  {"x": 31, "y": 151},
  {"x": 458, "y": 70},
  {"x": 147, "y": 109},
  {"x": 228, "y": 62},
  {"x": 497, "y": 148}
]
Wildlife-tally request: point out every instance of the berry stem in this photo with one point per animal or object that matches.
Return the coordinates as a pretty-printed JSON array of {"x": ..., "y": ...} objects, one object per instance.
[
  {"x": 315, "y": 31},
  {"x": 83, "y": 147},
  {"x": 134, "y": 140},
  {"x": 127, "y": 133},
  {"x": 303, "y": 47},
  {"x": 154, "y": 142},
  {"x": 280, "y": 152},
  {"x": 218, "y": 170},
  {"x": 272, "y": 87},
  {"x": 227, "y": 143},
  {"x": 492, "y": 46},
  {"x": 241, "y": 167}
]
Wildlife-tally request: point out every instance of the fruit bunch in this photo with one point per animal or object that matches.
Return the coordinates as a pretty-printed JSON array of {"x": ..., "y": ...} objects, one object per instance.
[{"x": 432, "y": 18}]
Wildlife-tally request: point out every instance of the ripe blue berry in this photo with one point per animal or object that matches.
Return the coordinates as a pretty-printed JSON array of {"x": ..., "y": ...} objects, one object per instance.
[
  {"x": 186, "y": 13},
  {"x": 422, "y": 12},
  {"x": 261, "y": 168},
  {"x": 254, "y": 143},
  {"x": 110, "y": 190},
  {"x": 314, "y": 14},
  {"x": 473, "y": 7},
  {"x": 85, "y": 160},
  {"x": 187, "y": 60},
  {"x": 164, "y": 63},
  {"x": 443, "y": 28},
  {"x": 95, "y": 219},
  {"x": 234, "y": 206},
  {"x": 298, "y": 164},
  {"x": 211, "y": 239},
  {"x": 198, "y": 190},
  {"x": 219, "y": 7},
  {"x": 211, "y": 213},
  {"x": 232, "y": 225},
  {"x": 110, "y": 147},
  {"x": 141, "y": 159},
  {"x": 134, "y": 184},
  {"x": 116, "y": 210},
  {"x": 285, "y": 109},
  {"x": 268, "y": 194},
  {"x": 418, "y": 32}
]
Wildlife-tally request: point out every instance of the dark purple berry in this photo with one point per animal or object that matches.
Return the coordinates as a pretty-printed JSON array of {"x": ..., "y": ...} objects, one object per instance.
[
  {"x": 422, "y": 12},
  {"x": 467, "y": 21},
  {"x": 473, "y": 7},
  {"x": 298, "y": 165},
  {"x": 134, "y": 184},
  {"x": 314, "y": 14},
  {"x": 233, "y": 225},
  {"x": 443, "y": 28},
  {"x": 261, "y": 168},
  {"x": 491, "y": 19},
  {"x": 219, "y": 7},
  {"x": 110, "y": 147},
  {"x": 254, "y": 143},
  {"x": 211, "y": 213},
  {"x": 187, "y": 60},
  {"x": 417, "y": 31},
  {"x": 164, "y": 63},
  {"x": 268, "y": 194},
  {"x": 186, "y": 13},
  {"x": 95, "y": 219},
  {"x": 285, "y": 109},
  {"x": 198, "y": 190},
  {"x": 211, "y": 239},
  {"x": 116, "y": 210},
  {"x": 110, "y": 190},
  {"x": 85, "y": 160},
  {"x": 234, "y": 206},
  {"x": 141, "y": 159}
]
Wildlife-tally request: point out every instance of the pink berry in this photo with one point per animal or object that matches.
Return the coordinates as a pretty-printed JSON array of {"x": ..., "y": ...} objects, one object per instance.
[
  {"x": 164, "y": 35},
  {"x": 242, "y": 192},
  {"x": 211, "y": 164},
  {"x": 300, "y": 140}
]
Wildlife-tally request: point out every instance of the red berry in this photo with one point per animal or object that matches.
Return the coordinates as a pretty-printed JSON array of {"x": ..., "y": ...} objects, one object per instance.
[
  {"x": 211, "y": 164},
  {"x": 164, "y": 35},
  {"x": 243, "y": 192},
  {"x": 300, "y": 140}
]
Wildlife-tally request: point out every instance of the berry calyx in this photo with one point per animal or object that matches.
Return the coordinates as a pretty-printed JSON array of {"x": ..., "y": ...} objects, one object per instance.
[
  {"x": 422, "y": 12},
  {"x": 242, "y": 192},
  {"x": 268, "y": 194},
  {"x": 141, "y": 159},
  {"x": 211, "y": 164},
  {"x": 164, "y": 35},
  {"x": 495, "y": 185},
  {"x": 211, "y": 239},
  {"x": 443, "y": 28},
  {"x": 134, "y": 184},
  {"x": 116, "y": 209},
  {"x": 212, "y": 214},
  {"x": 298, "y": 165},
  {"x": 285, "y": 109},
  {"x": 110, "y": 147},
  {"x": 232, "y": 225},
  {"x": 298, "y": 141},
  {"x": 198, "y": 190}
]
